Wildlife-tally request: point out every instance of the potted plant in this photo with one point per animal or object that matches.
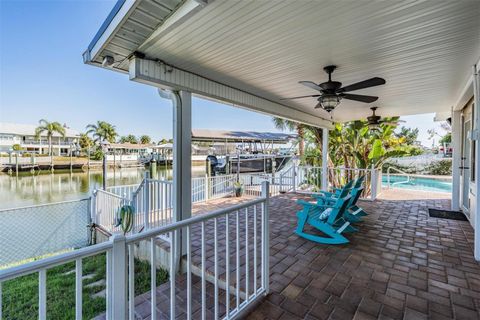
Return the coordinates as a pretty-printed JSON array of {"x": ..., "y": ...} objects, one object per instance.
[{"x": 238, "y": 187}]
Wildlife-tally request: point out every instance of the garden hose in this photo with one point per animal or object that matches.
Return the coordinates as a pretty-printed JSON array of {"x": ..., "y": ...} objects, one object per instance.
[{"x": 125, "y": 220}]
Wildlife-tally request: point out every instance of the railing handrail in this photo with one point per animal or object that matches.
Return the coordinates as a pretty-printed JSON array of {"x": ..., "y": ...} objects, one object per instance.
[
  {"x": 111, "y": 194},
  {"x": 140, "y": 186},
  {"x": 398, "y": 182},
  {"x": 123, "y": 186},
  {"x": 160, "y": 180},
  {"x": 196, "y": 219},
  {"x": 34, "y": 266}
]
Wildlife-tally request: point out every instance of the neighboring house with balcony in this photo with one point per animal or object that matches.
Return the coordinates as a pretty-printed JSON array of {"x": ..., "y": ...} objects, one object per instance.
[{"x": 12, "y": 134}]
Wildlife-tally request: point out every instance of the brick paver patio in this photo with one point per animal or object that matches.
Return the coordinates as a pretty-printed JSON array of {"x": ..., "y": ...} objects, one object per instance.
[{"x": 402, "y": 264}]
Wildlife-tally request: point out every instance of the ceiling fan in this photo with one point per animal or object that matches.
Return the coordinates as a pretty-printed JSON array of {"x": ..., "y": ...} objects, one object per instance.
[
  {"x": 331, "y": 92},
  {"x": 375, "y": 121}
]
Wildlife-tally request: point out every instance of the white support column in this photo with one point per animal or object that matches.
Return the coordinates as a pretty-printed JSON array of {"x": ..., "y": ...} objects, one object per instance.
[
  {"x": 476, "y": 136},
  {"x": 182, "y": 159},
  {"x": 456, "y": 157},
  {"x": 182, "y": 152},
  {"x": 325, "y": 159}
]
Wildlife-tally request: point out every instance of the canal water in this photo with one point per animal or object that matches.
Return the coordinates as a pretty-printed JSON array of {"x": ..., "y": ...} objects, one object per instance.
[{"x": 27, "y": 189}]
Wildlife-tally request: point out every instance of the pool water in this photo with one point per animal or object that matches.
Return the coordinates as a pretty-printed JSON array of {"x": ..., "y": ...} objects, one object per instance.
[{"x": 418, "y": 183}]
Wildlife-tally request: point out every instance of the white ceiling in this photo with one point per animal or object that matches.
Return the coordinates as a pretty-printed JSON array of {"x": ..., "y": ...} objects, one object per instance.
[{"x": 424, "y": 49}]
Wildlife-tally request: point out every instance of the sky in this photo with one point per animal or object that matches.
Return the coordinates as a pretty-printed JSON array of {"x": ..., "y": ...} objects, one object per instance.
[{"x": 42, "y": 76}]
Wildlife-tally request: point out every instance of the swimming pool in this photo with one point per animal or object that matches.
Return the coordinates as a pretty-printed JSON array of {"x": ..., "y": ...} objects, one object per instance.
[{"x": 418, "y": 183}]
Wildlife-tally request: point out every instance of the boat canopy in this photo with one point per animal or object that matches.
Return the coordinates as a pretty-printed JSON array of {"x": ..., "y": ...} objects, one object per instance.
[{"x": 240, "y": 136}]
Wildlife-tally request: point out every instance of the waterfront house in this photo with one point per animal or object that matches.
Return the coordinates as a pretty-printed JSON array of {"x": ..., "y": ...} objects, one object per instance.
[
  {"x": 246, "y": 260},
  {"x": 23, "y": 136}
]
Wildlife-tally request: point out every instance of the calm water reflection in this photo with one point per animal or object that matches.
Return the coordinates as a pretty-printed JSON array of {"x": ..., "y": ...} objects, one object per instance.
[{"x": 26, "y": 189}]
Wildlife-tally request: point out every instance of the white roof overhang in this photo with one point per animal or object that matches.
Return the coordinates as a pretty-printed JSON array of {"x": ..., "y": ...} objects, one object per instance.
[{"x": 253, "y": 53}]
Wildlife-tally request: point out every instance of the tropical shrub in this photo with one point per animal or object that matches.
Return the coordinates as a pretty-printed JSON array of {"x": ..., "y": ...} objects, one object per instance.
[
  {"x": 97, "y": 154},
  {"x": 355, "y": 145},
  {"x": 442, "y": 168}
]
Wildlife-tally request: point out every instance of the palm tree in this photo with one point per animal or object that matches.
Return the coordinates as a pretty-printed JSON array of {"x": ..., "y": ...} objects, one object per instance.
[
  {"x": 49, "y": 128},
  {"x": 128, "y": 139},
  {"x": 102, "y": 131},
  {"x": 145, "y": 139},
  {"x": 283, "y": 124}
]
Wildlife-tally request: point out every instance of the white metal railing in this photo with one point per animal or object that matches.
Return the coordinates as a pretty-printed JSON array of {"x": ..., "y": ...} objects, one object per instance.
[
  {"x": 220, "y": 186},
  {"x": 245, "y": 230},
  {"x": 157, "y": 204},
  {"x": 309, "y": 178},
  {"x": 199, "y": 189},
  {"x": 252, "y": 183},
  {"x": 397, "y": 182},
  {"x": 41, "y": 266},
  {"x": 106, "y": 206},
  {"x": 152, "y": 199},
  {"x": 125, "y": 191}
]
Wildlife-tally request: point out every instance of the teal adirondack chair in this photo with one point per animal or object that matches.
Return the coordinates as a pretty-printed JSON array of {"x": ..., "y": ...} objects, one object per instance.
[
  {"x": 327, "y": 219},
  {"x": 354, "y": 212},
  {"x": 326, "y": 196}
]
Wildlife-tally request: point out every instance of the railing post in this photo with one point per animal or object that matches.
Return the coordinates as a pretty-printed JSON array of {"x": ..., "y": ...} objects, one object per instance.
[
  {"x": 266, "y": 235},
  {"x": 373, "y": 183},
  {"x": 207, "y": 187},
  {"x": 146, "y": 200},
  {"x": 93, "y": 210},
  {"x": 118, "y": 289},
  {"x": 294, "y": 178},
  {"x": 281, "y": 182}
]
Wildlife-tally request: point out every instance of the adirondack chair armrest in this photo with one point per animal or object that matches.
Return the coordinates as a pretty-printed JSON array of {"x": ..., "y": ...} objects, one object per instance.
[
  {"x": 305, "y": 203},
  {"x": 325, "y": 205},
  {"x": 310, "y": 204},
  {"x": 323, "y": 194}
]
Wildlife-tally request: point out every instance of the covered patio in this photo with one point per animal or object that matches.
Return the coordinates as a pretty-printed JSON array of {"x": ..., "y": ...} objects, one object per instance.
[
  {"x": 253, "y": 54},
  {"x": 401, "y": 264}
]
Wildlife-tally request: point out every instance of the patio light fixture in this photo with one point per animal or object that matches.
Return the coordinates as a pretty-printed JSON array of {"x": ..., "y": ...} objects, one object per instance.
[{"x": 328, "y": 102}]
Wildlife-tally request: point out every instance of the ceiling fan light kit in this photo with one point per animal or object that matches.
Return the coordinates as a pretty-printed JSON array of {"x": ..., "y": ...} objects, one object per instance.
[{"x": 328, "y": 102}]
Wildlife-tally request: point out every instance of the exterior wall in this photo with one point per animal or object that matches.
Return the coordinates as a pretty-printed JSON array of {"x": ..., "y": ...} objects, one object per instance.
[{"x": 459, "y": 174}]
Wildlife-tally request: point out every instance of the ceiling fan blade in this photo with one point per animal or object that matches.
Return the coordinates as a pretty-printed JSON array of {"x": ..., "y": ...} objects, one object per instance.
[
  {"x": 359, "y": 97},
  {"x": 309, "y": 96},
  {"x": 363, "y": 84},
  {"x": 311, "y": 84}
]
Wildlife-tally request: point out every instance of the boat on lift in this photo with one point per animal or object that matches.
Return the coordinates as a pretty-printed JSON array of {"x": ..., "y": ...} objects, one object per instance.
[{"x": 245, "y": 151}]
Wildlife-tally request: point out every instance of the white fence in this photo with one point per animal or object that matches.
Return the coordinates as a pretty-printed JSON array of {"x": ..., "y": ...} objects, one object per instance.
[
  {"x": 309, "y": 178},
  {"x": 33, "y": 231},
  {"x": 125, "y": 191},
  {"x": 154, "y": 201},
  {"x": 245, "y": 230},
  {"x": 106, "y": 206}
]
